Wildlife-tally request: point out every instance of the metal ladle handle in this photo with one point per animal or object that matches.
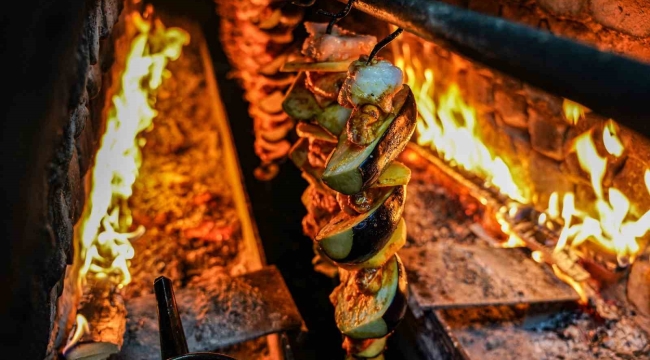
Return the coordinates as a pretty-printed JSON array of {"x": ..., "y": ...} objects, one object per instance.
[{"x": 172, "y": 337}]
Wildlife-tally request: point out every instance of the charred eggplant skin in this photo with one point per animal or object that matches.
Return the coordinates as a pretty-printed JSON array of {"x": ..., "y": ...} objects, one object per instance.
[
  {"x": 393, "y": 142},
  {"x": 369, "y": 238},
  {"x": 371, "y": 235},
  {"x": 397, "y": 309},
  {"x": 351, "y": 169},
  {"x": 299, "y": 103}
]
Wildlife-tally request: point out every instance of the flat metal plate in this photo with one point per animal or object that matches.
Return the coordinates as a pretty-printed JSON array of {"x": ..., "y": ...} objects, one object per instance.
[
  {"x": 216, "y": 313},
  {"x": 445, "y": 274}
]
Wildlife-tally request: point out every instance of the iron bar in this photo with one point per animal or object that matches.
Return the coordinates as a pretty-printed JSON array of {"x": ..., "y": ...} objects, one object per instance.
[{"x": 611, "y": 85}]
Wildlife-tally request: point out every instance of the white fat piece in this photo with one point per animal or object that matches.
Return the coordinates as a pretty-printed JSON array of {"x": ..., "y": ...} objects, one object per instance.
[
  {"x": 375, "y": 84},
  {"x": 340, "y": 45}
]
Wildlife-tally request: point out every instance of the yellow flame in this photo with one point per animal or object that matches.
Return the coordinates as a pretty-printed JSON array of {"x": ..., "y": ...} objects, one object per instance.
[
  {"x": 574, "y": 284},
  {"x": 610, "y": 227},
  {"x": 449, "y": 126},
  {"x": 573, "y": 111},
  {"x": 81, "y": 327},
  {"x": 612, "y": 143},
  {"x": 105, "y": 247}
]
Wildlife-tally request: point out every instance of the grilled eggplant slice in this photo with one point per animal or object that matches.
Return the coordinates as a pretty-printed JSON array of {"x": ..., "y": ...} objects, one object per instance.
[
  {"x": 333, "y": 118},
  {"x": 351, "y": 169},
  {"x": 371, "y": 302},
  {"x": 299, "y": 156},
  {"x": 300, "y": 103},
  {"x": 395, "y": 174},
  {"x": 306, "y": 130},
  {"x": 364, "y": 349},
  {"x": 395, "y": 242},
  {"x": 354, "y": 239}
]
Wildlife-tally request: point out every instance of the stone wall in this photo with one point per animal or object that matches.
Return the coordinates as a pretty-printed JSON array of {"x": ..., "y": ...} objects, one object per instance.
[
  {"x": 55, "y": 54},
  {"x": 77, "y": 149},
  {"x": 619, "y": 26}
]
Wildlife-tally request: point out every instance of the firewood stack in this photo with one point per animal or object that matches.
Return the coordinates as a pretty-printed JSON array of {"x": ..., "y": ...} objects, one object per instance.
[{"x": 257, "y": 37}]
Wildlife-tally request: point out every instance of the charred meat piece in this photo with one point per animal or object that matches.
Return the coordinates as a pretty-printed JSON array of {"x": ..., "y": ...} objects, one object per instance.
[
  {"x": 363, "y": 126},
  {"x": 338, "y": 46},
  {"x": 375, "y": 83}
]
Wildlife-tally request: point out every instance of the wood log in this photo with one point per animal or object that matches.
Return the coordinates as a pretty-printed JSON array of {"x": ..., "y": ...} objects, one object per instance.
[{"x": 101, "y": 323}]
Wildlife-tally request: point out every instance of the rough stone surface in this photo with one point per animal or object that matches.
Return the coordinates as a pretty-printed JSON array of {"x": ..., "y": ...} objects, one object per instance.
[
  {"x": 94, "y": 82},
  {"x": 490, "y": 7},
  {"x": 512, "y": 108},
  {"x": 630, "y": 180},
  {"x": 629, "y": 16},
  {"x": 546, "y": 177},
  {"x": 638, "y": 286},
  {"x": 86, "y": 145},
  {"x": 563, "y": 7},
  {"x": 546, "y": 134},
  {"x": 79, "y": 117},
  {"x": 480, "y": 89}
]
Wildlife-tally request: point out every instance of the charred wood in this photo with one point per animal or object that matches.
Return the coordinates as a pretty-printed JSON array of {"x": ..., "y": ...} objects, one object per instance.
[{"x": 102, "y": 332}]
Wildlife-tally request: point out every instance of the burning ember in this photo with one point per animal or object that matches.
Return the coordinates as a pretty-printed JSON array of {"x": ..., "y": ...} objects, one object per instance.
[
  {"x": 447, "y": 124},
  {"x": 104, "y": 230}
]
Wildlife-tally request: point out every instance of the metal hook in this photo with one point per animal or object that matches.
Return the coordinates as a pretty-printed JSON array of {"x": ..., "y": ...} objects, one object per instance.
[
  {"x": 336, "y": 17},
  {"x": 385, "y": 41}
]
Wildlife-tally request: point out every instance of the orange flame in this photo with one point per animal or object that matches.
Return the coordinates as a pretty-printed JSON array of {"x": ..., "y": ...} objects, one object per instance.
[
  {"x": 105, "y": 249},
  {"x": 449, "y": 126},
  {"x": 612, "y": 227},
  {"x": 574, "y": 284},
  {"x": 573, "y": 111},
  {"x": 81, "y": 327}
]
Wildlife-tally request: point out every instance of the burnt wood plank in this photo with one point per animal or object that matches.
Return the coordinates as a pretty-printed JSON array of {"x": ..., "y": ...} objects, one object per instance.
[{"x": 451, "y": 275}]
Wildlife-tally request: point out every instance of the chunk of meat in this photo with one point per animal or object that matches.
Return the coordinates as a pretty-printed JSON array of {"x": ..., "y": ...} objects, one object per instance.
[
  {"x": 340, "y": 45},
  {"x": 364, "y": 124},
  {"x": 374, "y": 84}
]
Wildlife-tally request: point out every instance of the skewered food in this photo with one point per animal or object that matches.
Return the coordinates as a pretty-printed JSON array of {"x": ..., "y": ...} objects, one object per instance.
[
  {"x": 371, "y": 83},
  {"x": 352, "y": 169},
  {"x": 371, "y": 302},
  {"x": 354, "y": 121},
  {"x": 354, "y": 239}
]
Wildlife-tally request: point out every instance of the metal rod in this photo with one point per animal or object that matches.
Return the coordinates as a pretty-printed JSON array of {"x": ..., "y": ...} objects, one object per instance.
[
  {"x": 611, "y": 85},
  {"x": 172, "y": 337}
]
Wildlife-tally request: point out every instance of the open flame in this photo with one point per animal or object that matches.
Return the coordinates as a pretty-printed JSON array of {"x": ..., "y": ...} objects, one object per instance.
[
  {"x": 447, "y": 124},
  {"x": 573, "y": 111},
  {"x": 105, "y": 247},
  {"x": 611, "y": 227}
]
